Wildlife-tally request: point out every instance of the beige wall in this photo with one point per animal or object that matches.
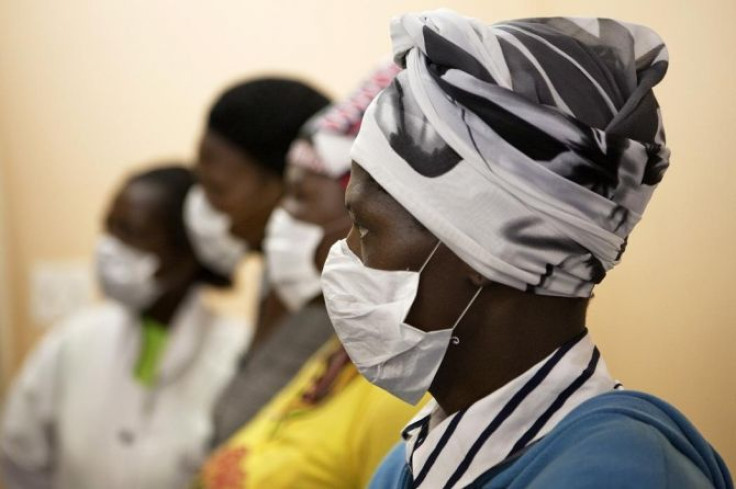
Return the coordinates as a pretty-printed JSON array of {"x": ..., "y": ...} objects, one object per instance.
[
  {"x": 90, "y": 89},
  {"x": 6, "y": 329},
  {"x": 665, "y": 319}
]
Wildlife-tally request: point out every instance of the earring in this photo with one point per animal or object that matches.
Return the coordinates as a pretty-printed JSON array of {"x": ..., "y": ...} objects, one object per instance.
[{"x": 455, "y": 340}]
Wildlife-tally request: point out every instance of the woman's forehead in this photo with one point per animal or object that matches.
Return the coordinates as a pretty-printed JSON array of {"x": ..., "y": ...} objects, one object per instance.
[
  {"x": 140, "y": 201},
  {"x": 139, "y": 194},
  {"x": 365, "y": 195}
]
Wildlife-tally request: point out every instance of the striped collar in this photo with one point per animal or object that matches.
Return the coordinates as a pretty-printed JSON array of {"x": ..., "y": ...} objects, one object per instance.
[{"x": 453, "y": 451}]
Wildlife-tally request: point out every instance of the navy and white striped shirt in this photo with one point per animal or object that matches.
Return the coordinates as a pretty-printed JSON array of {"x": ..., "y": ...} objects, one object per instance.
[{"x": 452, "y": 451}]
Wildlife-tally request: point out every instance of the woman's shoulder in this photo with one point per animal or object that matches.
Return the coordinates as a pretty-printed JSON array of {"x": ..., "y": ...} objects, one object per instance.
[
  {"x": 633, "y": 414},
  {"x": 621, "y": 439},
  {"x": 94, "y": 319},
  {"x": 222, "y": 329},
  {"x": 236, "y": 331}
]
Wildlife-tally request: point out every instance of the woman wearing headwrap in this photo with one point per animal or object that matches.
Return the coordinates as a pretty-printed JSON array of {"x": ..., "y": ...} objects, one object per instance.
[
  {"x": 495, "y": 182},
  {"x": 329, "y": 427}
]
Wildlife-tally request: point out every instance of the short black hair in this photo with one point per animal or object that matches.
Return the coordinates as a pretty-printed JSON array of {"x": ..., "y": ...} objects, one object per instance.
[
  {"x": 175, "y": 181},
  {"x": 263, "y": 116}
]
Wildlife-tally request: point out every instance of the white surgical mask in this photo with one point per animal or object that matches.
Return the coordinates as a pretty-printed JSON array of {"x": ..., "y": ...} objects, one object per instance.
[
  {"x": 290, "y": 246},
  {"x": 367, "y": 308},
  {"x": 126, "y": 274},
  {"x": 209, "y": 232}
]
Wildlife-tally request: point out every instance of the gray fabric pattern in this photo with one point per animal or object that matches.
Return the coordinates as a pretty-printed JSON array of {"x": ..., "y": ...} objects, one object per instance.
[
  {"x": 267, "y": 370},
  {"x": 530, "y": 148}
]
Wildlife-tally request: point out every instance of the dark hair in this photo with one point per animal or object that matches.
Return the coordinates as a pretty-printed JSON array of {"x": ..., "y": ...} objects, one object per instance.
[
  {"x": 175, "y": 181},
  {"x": 263, "y": 116}
]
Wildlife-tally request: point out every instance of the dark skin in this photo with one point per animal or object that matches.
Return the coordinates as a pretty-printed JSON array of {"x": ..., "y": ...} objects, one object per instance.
[
  {"x": 136, "y": 218},
  {"x": 237, "y": 185},
  {"x": 317, "y": 199},
  {"x": 247, "y": 192},
  {"x": 504, "y": 333}
]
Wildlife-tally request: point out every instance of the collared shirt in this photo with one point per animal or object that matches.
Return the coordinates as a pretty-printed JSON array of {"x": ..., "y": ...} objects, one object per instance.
[
  {"x": 453, "y": 451},
  {"x": 154, "y": 338}
]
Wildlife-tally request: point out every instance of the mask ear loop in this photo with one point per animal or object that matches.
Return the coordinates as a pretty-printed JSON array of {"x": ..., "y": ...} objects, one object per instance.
[
  {"x": 455, "y": 340},
  {"x": 434, "y": 250}
]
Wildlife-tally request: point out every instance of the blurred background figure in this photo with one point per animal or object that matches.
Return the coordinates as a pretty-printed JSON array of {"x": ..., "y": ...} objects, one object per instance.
[
  {"x": 328, "y": 428},
  {"x": 121, "y": 395},
  {"x": 240, "y": 167}
]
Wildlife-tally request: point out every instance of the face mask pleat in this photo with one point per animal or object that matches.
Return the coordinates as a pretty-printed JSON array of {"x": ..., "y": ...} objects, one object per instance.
[
  {"x": 368, "y": 308},
  {"x": 127, "y": 275},
  {"x": 290, "y": 248},
  {"x": 209, "y": 232}
]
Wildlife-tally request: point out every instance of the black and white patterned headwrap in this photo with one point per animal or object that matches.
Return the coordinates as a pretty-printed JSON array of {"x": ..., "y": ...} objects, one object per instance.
[{"x": 530, "y": 148}]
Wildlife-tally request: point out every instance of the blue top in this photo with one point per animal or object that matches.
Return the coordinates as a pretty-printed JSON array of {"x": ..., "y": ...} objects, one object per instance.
[{"x": 622, "y": 439}]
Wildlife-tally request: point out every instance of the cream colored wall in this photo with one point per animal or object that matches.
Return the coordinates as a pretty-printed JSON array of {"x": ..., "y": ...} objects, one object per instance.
[
  {"x": 6, "y": 329},
  {"x": 90, "y": 89},
  {"x": 665, "y": 319}
]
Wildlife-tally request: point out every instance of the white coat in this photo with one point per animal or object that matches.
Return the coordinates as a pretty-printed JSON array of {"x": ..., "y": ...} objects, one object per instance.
[{"x": 76, "y": 417}]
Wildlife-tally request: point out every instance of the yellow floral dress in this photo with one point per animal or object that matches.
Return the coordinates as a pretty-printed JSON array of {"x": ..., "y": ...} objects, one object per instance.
[{"x": 328, "y": 428}]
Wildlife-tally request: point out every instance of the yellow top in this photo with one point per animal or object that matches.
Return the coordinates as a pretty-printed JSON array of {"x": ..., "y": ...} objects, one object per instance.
[{"x": 336, "y": 442}]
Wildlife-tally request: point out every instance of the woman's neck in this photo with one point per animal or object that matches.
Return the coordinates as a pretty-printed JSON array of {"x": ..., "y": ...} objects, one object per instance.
[
  {"x": 165, "y": 308},
  {"x": 271, "y": 313},
  {"x": 252, "y": 229},
  {"x": 502, "y": 337}
]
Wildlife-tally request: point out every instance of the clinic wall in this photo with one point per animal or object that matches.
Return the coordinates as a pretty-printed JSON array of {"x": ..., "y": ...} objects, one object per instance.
[
  {"x": 90, "y": 90},
  {"x": 666, "y": 317},
  {"x": 6, "y": 332}
]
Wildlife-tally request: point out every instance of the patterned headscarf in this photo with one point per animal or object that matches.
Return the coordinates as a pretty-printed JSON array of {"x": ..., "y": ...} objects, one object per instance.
[
  {"x": 530, "y": 148},
  {"x": 324, "y": 142}
]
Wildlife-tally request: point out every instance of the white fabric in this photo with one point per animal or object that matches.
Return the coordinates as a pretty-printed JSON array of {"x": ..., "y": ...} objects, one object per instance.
[
  {"x": 327, "y": 153},
  {"x": 126, "y": 274},
  {"x": 324, "y": 141},
  {"x": 431, "y": 425},
  {"x": 334, "y": 150},
  {"x": 516, "y": 143},
  {"x": 290, "y": 246},
  {"x": 368, "y": 308},
  {"x": 76, "y": 418},
  {"x": 209, "y": 232}
]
